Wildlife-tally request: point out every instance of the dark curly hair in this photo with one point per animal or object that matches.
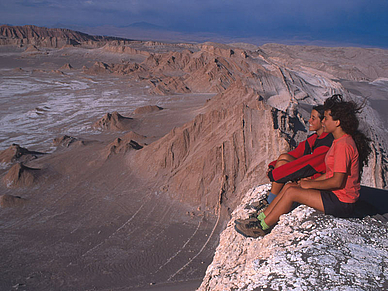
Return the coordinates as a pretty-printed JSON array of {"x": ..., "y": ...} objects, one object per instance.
[
  {"x": 321, "y": 111},
  {"x": 346, "y": 112}
]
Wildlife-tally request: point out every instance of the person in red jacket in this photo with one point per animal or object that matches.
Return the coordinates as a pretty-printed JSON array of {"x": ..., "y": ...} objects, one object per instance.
[
  {"x": 306, "y": 160},
  {"x": 334, "y": 192}
]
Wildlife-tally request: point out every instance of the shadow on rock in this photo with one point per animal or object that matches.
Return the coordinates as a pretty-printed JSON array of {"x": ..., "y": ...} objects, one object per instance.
[{"x": 372, "y": 202}]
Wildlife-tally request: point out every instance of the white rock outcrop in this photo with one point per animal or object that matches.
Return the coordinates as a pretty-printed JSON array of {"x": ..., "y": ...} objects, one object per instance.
[{"x": 306, "y": 250}]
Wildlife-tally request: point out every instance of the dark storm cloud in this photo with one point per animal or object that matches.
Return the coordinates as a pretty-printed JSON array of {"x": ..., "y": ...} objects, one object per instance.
[{"x": 356, "y": 20}]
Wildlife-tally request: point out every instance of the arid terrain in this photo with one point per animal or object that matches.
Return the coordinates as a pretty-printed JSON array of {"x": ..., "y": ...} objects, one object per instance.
[{"x": 122, "y": 161}]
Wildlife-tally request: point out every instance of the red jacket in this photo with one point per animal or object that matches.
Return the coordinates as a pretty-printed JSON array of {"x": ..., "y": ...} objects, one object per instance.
[{"x": 310, "y": 160}]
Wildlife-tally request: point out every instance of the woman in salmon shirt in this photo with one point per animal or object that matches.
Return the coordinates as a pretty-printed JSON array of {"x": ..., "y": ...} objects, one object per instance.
[{"x": 336, "y": 191}]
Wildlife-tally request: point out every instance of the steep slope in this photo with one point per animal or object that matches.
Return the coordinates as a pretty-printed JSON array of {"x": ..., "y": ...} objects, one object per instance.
[
  {"x": 203, "y": 161},
  {"x": 260, "y": 112}
]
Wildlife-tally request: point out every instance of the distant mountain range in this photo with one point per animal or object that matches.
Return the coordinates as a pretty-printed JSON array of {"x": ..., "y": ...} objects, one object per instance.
[
  {"x": 145, "y": 26},
  {"x": 51, "y": 37},
  {"x": 76, "y": 35},
  {"x": 32, "y": 31}
]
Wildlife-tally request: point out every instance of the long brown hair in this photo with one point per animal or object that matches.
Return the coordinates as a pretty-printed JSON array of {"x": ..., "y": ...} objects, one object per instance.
[{"x": 346, "y": 112}]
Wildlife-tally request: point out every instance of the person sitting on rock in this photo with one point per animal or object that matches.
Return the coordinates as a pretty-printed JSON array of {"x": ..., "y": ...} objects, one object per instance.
[
  {"x": 306, "y": 160},
  {"x": 334, "y": 192}
]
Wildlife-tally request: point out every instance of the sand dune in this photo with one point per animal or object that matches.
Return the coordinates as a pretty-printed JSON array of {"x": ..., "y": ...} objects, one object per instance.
[
  {"x": 147, "y": 109},
  {"x": 66, "y": 141},
  {"x": 20, "y": 176},
  {"x": 16, "y": 153},
  {"x": 11, "y": 201},
  {"x": 121, "y": 146},
  {"x": 114, "y": 122},
  {"x": 66, "y": 67}
]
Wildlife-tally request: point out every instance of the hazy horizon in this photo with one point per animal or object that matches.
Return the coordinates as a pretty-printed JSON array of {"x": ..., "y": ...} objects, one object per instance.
[{"x": 328, "y": 23}]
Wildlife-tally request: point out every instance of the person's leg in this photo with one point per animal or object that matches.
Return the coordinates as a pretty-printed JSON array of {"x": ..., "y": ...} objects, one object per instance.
[
  {"x": 309, "y": 197},
  {"x": 278, "y": 197},
  {"x": 277, "y": 187},
  {"x": 282, "y": 204},
  {"x": 275, "y": 190}
]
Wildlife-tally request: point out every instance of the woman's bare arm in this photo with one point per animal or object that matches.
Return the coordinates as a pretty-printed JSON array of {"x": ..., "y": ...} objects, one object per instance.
[{"x": 332, "y": 183}]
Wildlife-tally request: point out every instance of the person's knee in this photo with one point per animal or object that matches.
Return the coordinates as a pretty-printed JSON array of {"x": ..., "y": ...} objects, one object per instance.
[
  {"x": 291, "y": 192},
  {"x": 283, "y": 157},
  {"x": 281, "y": 163},
  {"x": 289, "y": 185}
]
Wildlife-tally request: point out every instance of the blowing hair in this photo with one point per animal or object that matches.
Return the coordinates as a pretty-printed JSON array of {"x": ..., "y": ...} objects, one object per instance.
[
  {"x": 321, "y": 111},
  {"x": 346, "y": 112}
]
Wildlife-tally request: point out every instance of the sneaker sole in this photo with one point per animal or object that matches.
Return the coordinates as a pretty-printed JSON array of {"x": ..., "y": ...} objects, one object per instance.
[
  {"x": 259, "y": 234},
  {"x": 240, "y": 232}
]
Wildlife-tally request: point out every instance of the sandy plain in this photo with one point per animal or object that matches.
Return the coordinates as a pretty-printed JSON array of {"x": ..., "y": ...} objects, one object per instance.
[{"x": 86, "y": 227}]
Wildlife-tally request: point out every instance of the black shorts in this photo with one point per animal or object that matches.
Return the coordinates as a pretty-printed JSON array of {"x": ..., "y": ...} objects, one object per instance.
[{"x": 333, "y": 206}]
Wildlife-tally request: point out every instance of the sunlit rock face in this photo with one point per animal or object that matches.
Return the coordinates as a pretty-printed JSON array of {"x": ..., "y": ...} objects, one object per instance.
[
  {"x": 306, "y": 250},
  {"x": 260, "y": 111}
]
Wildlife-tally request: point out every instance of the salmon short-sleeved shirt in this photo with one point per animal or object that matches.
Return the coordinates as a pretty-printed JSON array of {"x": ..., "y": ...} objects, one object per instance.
[{"x": 342, "y": 157}]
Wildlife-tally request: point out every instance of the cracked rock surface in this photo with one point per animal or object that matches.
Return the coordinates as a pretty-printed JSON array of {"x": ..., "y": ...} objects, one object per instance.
[{"x": 306, "y": 250}]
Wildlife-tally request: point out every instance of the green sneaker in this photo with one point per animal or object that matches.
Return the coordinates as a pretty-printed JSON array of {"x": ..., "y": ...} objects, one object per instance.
[
  {"x": 252, "y": 229},
  {"x": 258, "y": 207}
]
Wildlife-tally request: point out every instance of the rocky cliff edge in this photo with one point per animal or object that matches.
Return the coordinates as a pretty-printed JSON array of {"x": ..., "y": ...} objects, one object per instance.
[{"x": 306, "y": 250}]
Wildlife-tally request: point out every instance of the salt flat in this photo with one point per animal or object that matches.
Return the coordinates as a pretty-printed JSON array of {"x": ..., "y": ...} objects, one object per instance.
[
  {"x": 69, "y": 223},
  {"x": 38, "y": 105}
]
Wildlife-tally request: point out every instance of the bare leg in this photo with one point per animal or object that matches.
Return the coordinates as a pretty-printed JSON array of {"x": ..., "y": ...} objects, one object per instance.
[
  {"x": 309, "y": 197},
  {"x": 271, "y": 206},
  {"x": 276, "y": 188}
]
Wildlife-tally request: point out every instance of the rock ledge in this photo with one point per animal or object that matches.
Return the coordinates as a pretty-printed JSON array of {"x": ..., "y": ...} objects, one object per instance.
[{"x": 305, "y": 251}]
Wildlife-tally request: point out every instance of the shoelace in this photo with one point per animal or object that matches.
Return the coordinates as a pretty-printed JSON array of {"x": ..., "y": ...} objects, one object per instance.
[{"x": 254, "y": 224}]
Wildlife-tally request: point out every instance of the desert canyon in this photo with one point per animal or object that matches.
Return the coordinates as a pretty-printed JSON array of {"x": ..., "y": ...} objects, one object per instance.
[{"x": 124, "y": 163}]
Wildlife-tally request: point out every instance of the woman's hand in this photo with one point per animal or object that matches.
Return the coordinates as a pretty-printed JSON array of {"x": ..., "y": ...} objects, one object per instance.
[
  {"x": 304, "y": 183},
  {"x": 335, "y": 182}
]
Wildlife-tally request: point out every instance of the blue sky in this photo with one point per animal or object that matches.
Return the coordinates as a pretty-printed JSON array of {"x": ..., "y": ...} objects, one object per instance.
[{"x": 357, "y": 22}]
